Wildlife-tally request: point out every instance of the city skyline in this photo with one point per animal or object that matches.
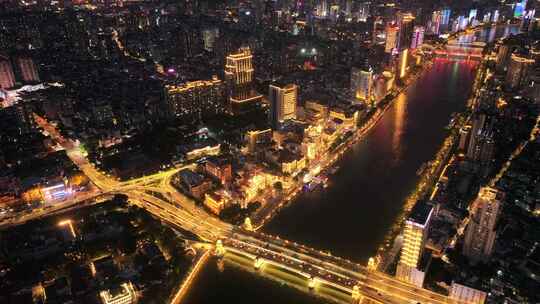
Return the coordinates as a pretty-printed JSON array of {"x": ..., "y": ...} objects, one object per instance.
[{"x": 188, "y": 152}]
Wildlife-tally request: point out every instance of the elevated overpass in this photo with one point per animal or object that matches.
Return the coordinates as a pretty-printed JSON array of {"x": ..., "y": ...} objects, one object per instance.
[{"x": 317, "y": 267}]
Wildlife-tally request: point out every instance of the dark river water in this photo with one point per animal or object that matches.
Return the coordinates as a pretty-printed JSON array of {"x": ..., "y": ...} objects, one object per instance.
[{"x": 365, "y": 197}]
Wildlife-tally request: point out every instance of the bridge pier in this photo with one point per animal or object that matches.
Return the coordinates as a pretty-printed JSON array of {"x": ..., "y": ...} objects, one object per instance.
[
  {"x": 259, "y": 262},
  {"x": 219, "y": 250}
]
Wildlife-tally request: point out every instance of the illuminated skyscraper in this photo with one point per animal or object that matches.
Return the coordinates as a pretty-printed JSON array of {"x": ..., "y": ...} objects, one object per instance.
[
  {"x": 414, "y": 238},
  {"x": 405, "y": 23},
  {"x": 480, "y": 232},
  {"x": 417, "y": 37},
  {"x": 7, "y": 78},
  {"x": 283, "y": 100},
  {"x": 520, "y": 8},
  {"x": 363, "y": 11},
  {"x": 239, "y": 75},
  {"x": 362, "y": 83},
  {"x": 403, "y": 63},
  {"x": 445, "y": 17},
  {"x": 28, "y": 69},
  {"x": 322, "y": 8},
  {"x": 518, "y": 71},
  {"x": 392, "y": 31},
  {"x": 239, "y": 68},
  {"x": 436, "y": 19}
]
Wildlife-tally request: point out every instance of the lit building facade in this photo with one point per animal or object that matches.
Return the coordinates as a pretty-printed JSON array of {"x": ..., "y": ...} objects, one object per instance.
[
  {"x": 239, "y": 76},
  {"x": 405, "y": 22},
  {"x": 220, "y": 168},
  {"x": 283, "y": 100},
  {"x": 414, "y": 238},
  {"x": 435, "y": 25},
  {"x": 392, "y": 31},
  {"x": 417, "y": 37},
  {"x": 124, "y": 294},
  {"x": 29, "y": 72},
  {"x": 215, "y": 202},
  {"x": 465, "y": 294},
  {"x": 403, "y": 63},
  {"x": 196, "y": 99},
  {"x": 7, "y": 78},
  {"x": 362, "y": 83},
  {"x": 256, "y": 137},
  {"x": 480, "y": 233},
  {"x": 239, "y": 68},
  {"x": 518, "y": 70}
]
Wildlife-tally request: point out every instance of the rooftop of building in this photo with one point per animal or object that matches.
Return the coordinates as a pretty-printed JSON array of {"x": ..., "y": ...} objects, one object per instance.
[{"x": 420, "y": 213}]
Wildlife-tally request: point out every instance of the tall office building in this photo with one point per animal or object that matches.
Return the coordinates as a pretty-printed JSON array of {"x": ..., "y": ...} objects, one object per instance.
[
  {"x": 520, "y": 8},
  {"x": 392, "y": 31},
  {"x": 405, "y": 22},
  {"x": 414, "y": 238},
  {"x": 7, "y": 78},
  {"x": 239, "y": 68},
  {"x": 348, "y": 9},
  {"x": 403, "y": 63},
  {"x": 362, "y": 83},
  {"x": 363, "y": 11},
  {"x": 445, "y": 20},
  {"x": 518, "y": 71},
  {"x": 480, "y": 233},
  {"x": 322, "y": 8},
  {"x": 283, "y": 100},
  {"x": 239, "y": 75},
  {"x": 436, "y": 19},
  {"x": 28, "y": 69},
  {"x": 477, "y": 129},
  {"x": 464, "y": 137},
  {"x": 417, "y": 37}
]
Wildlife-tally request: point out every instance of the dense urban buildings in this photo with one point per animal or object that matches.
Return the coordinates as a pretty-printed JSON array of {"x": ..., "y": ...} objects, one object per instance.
[
  {"x": 357, "y": 151},
  {"x": 480, "y": 233}
]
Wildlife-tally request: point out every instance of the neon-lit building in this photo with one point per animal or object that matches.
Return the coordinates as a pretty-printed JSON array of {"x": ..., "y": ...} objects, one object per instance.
[
  {"x": 28, "y": 69},
  {"x": 417, "y": 37},
  {"x": 215, "y": 202},
  {"x": 446, "y": 17},
  {"x": 519, "y": 9},
  {"x": 405, "y": 22},
  {"x": 239, "y": 75},
  {"x": 55, "y": 192},
  {"x": 436, "y": 19}
]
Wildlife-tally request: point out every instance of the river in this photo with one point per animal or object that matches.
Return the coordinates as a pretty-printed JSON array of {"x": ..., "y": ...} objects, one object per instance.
[{"x": 365, "y": 197}]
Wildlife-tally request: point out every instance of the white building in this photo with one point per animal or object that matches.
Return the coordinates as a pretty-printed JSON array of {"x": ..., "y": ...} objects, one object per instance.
[{"x": 283, "y": 100}]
